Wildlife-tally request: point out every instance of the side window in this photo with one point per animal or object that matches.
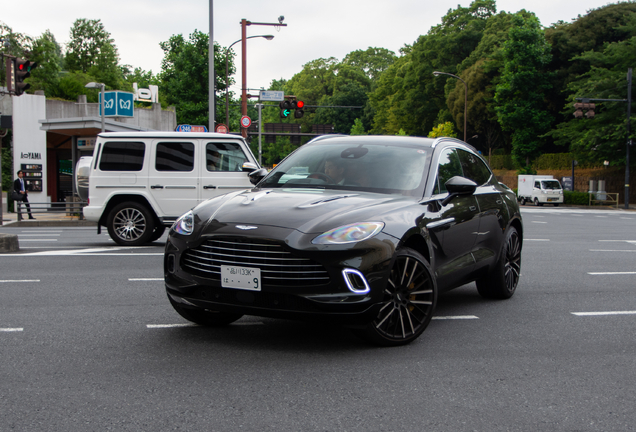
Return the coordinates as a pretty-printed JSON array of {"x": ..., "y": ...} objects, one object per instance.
[
  {"x": 449, "y": 166},
  {"x": 474, "y": 168},
  {"x": 537, "y": 185},
  {"x": 175, "y": 156},
  {"x": 122, "y": 156},
  {"x": 224, "y": 157}
]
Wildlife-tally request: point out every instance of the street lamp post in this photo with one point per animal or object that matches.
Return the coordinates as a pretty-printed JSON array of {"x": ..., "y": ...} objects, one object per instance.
[
  {"x": 227, "y": 98},
  {"x": 244, "y": 24},
  {"x": 437, "y": 73}
]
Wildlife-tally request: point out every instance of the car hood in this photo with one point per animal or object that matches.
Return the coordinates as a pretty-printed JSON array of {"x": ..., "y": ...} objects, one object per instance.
[{"x": 306, "y": 210}]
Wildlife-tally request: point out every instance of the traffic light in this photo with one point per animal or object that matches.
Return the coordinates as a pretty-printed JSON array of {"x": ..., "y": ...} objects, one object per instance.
[
  {"x": 285, "y": 108},
  {"x": 23, "y": 70},
  {"x": 588, "y": 107},
  {"x": 298, "y": 108},
  {"x": 291, "y": 103}
]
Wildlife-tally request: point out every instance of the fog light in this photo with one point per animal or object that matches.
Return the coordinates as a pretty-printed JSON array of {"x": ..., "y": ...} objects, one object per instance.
[
  {"x": 356, "y": 282},
  {"x": 170, "y": 264}
]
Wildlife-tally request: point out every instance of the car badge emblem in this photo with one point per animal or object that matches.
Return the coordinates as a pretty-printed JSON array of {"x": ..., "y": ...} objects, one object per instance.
[{"x": 246, "y": 227}]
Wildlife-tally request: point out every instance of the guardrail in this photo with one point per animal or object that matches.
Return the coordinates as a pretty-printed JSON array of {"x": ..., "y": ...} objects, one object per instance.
[
  {"x": 610, "y": 198},
  {"x": 72, "y": 208}
]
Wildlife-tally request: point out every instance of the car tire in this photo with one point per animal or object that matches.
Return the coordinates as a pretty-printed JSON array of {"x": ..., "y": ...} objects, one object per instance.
[
  {"x": 523, "y": 201},
  {"x": 408, "y": 302},
  {"x": 130, "y": 224},
  {"x": 157, "y": 233},
  {"x": 556, "y": 204},
  {"x": 537, "y": 203},
  {"x": 205, "y": 317},
  {"x": 502, "y": 281}
]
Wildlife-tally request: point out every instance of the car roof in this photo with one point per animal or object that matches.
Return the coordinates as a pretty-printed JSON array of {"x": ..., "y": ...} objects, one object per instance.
[
  {"x": 170, "y": 134},
  {"x": 388, "y": 139}
]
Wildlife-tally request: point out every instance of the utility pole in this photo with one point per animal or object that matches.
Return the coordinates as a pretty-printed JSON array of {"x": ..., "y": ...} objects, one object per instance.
[{"x": 211, "y": 80}]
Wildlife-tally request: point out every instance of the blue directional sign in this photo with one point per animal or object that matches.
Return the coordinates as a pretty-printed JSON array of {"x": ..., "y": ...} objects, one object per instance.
[
  {"x": 117, "y": 104},
  {"x": 190, "y": 128}
]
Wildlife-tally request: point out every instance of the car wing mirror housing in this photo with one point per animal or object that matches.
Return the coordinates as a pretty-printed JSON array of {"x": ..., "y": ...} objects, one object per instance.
[
  {"x": 257, "y": 176},
  {"x": 458, "y": 186},
  {"x": 249, "y": 167}
]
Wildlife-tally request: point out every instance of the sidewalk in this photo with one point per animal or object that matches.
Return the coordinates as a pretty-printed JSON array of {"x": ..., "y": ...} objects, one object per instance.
[{"x": 44, "y": 219}]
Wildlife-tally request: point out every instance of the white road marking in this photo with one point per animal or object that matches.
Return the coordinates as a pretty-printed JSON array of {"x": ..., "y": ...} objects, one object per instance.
[
  {"x": 155, "y": 326},
  {"x": 20, "y": 280},
  {"x": 603, "y": 313},
  {"x": 17, "y": 329},
  {"x": 144, "y": 279},
  {"x": 35, "y": 240},
  {"x": 455, "y": 317},
  {"x": 536, "y": 239},
  {"x": 538, "y": 222},
  {"x": 627, "y": 218},
  {"x": 39, "y": 235},
  {"x": 611, "y": 250},
  {"x": 611, "y": 273},
  {"x": 108, "y": 251},
  {"x": 622, "y": 241}
]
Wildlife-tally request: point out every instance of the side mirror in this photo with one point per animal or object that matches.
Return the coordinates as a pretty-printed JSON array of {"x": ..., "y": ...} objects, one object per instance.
[
  {"x": 458, "y": 186},
  {"x": 249, "y": 167},
  {"x": 257, "y": 176}
]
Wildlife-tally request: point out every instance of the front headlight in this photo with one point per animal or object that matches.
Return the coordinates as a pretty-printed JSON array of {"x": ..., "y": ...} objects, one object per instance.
[
  {"x": 185, "y": 224},
  {"x": 350, "y": 233}
]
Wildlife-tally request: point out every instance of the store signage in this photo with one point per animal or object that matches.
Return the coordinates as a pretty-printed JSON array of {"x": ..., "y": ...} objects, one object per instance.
[
  {"x": 150, "y": 94},
  {"x": 117, "y": 104}
]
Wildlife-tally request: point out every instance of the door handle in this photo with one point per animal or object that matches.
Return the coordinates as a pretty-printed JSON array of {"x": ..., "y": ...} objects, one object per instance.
[
  {"x": 156, "y": 187},
  {"x": 209, "y": 187}
]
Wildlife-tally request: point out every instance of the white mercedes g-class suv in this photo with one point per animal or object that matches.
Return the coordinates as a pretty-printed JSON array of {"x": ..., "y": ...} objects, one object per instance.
[{"x": 139, "y": 183}]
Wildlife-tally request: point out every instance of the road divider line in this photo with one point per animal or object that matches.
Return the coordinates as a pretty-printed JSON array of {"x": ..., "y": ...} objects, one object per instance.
[
  {"x": 604, "y": 313},
  {"x": 19, "y": 280},
  {"x": 541, "y": 222},
  {"x": 154, "y": 326},
  {"x": 34, "y": 240},
  {"x": 456, "y": 317},
  {"x": 612, "y": 250},
  {"x": 39, "y": 235},
  {"x": 536, "y": 239},
  {"x": 17, "y": 329},
  {"x": 611, "y": 273},
  {"x": 145, "y": 279}
]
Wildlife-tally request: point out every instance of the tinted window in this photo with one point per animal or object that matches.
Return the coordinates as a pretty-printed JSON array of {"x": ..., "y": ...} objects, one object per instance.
[
  {"x": 449, "y": 166},
  {"x": 122, "y": 156},
  {"x": 224, "y": 157},
  {"x": 474, "y": 168},
  {"x": 175, "y": 156}
]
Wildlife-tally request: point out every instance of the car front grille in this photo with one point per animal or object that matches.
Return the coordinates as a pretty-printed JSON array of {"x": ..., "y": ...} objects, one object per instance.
[{"x": 278, "y": 266}]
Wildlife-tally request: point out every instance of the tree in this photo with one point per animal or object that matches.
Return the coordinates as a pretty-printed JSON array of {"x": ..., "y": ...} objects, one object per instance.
[
  {"x": 520, "y": 96},
  {"x": 357, "y": 128},
  {"x": 92, "y": 51},
  {"x": 443, "y": 130},
  {"x": 184, "y": 77},
  {"x": 48, "y": 55}
]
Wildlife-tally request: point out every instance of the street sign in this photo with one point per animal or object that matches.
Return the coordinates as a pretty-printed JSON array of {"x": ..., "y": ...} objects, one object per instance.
[
  {"x": 117, "y": 104},
  {"x": 246, "y": 122},
  {"x": 190, "y": 128},
  {"x": 272, "y": 96},
  {"x": 221, "y": 128}
]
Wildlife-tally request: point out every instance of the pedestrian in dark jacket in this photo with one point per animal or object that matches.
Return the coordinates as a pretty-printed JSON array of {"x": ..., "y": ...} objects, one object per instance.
[{"x": 20, "y": 192}]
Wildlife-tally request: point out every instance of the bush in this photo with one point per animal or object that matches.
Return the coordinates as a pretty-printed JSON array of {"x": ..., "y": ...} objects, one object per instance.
[{"x": 576, "y": 198}]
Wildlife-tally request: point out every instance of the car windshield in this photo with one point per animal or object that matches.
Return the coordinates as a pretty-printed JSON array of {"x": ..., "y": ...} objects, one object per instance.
[
  {"x": 551, "y": 185},
  {"x": 376, "y": 167}
]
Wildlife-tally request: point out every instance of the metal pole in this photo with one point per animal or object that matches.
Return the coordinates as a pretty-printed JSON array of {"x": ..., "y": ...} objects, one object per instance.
[
  {"x": 227, "y": 90},
  {"x": 260, "y": 148},
  {"x": 465, "y": 106},
  {"x": 243, "y": 73},
  {"x": 211, "y": 81},
  {"x": 629, "y": 111},
  {"x": 103, "y": 94}
]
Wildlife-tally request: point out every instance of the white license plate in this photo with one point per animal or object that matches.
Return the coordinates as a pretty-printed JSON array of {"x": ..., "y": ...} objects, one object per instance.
[
  {"x": 553, "y": 199},
  {"x": 247, "y": 278}
]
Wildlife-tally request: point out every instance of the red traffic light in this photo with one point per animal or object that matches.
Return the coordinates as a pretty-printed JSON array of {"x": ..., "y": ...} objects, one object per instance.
[{"x": 300, "y": 104}]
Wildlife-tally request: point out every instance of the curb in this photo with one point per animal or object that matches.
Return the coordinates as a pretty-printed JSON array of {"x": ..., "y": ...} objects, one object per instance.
[{"x": 9, "y": 243}]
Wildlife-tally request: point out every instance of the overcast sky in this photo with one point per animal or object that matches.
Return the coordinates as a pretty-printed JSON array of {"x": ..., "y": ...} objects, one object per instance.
[{"x": 327, "y": 28}]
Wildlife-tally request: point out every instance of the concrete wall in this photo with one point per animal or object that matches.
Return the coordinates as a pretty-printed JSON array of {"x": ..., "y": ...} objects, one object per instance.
[
  {"x": 148, "y": 118},
  {"x": 29, "y": 141}
]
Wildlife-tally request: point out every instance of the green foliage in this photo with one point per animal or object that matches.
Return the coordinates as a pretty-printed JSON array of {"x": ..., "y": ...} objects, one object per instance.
[
  {"x": 7, "y": 163},
  {"x": 443, "y": 130},
  {"x": 501, "y": 162},
  {"x": 275, "y": 152},
  {"x": 48, "y": 54},
  {"x": 521, "y": 92},
  {"x": 357, "y": 128},
  {"x": 184, "y": 76},
  {"x": 576, "y": 198}
]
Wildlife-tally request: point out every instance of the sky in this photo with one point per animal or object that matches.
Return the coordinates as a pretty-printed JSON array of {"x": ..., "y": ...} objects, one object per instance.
[{"x": 315, "y": 29}]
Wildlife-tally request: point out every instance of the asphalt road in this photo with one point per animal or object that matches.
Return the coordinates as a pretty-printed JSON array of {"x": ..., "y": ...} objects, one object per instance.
[{"x": 89, "y": 342}]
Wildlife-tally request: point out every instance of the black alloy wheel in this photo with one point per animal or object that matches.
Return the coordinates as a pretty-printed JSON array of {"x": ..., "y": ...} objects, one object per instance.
[
  {"x": 502, "y": 282},
  {"x": 409, "y": 300}
]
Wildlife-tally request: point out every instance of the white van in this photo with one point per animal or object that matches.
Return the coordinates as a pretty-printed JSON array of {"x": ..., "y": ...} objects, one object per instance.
[{"x": 139, "y": 183}]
